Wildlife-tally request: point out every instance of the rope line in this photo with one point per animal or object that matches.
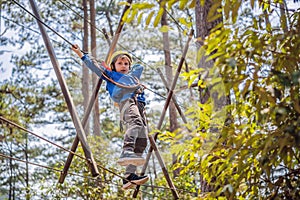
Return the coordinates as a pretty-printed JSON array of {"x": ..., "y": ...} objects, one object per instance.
[
  {"x": 173, "y": 18},
  {"x": 42, "y": 22},
  {"x": 40, "y": 137},
  {"x": 61, "y": 171},
  {"x": 36, "y": 135},
  {"x": 15, "y": 22},
  {"x": 103, "y": 73},
  {"x": 46, "y": 167},
  {"x": 144, "y": 63},
  {"x": 83, "y": 176},
  {"x": 88, "y": 21},
  {"x": 46, "y": 140}
]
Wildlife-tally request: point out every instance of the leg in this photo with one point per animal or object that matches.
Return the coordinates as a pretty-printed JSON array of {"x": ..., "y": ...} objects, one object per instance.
[
  {"x": 140, "y": 146},
  {"x": 135, "y": 120},
  {"x": 134, "y": 129}
]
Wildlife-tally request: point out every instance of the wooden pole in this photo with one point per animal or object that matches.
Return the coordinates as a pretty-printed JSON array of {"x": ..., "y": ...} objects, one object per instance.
[
  {"x": 173, "y": 96},
  {"x": 76, "y": 140},
  {"x": 94, "y": 94},
  {"x": 154, "y": 138},
  {"x": 78, "y": 126}
]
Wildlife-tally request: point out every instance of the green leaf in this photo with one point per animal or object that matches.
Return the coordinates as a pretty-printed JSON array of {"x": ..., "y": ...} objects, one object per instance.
[
  {"x": 141, "y": 6},
  {"x": 149, "y": 18},
  {"x": 182, "y": 4},
  {"x": 235, "y": 10},
  {"x": 125, "y": 17},
  {"x": 201, "y": 84},
  {"x": 215, "y": 55},
  {"x": 192, "y": 4},
  {"x": 158, "y": 17},
  {"x": 215, "y": 80},
  {"x": 200, "y": 54},
  {"x": 124, "y": 3},
  {"x": 202, "y": 2},
  {"x": 227, "y": 8},
  {"x": 164, "y": 29},
  {"x": 252, "y": 3},
  {"x": 183, "y": 21},
  {"x": 246, "y": 87},
  {"x": 213, "y": 11},
  {"x": 140, "y": 17},
  {"x": 215, "y": 17},
  {"x": 133, "y": 14}
]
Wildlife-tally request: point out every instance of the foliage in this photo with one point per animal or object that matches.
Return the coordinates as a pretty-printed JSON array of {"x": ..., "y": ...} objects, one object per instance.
[
  {"x": 150, "y": 14},
  {"x": 257, "y": 153},
  {"x": 246, "y": 150}
]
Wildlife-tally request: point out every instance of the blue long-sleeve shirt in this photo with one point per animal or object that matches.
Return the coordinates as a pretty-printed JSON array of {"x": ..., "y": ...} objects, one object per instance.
[{"x": 116, "y": 93}]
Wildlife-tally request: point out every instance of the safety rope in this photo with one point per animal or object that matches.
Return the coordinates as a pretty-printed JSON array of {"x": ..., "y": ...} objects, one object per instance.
[
  {"x": 103, "y": 73},
  {"x": 43, "y": 23},
  {"x": 88, "y": 21},
  {"x": 36, "y": 135},
  {"x": 74, "y": 174},
  {"x": 138, "y": 85},
  {"x": 81, "y": 157}
]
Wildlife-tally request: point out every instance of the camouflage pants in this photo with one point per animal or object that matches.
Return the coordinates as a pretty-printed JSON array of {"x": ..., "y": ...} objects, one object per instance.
[{"x": 135, "y": 137}]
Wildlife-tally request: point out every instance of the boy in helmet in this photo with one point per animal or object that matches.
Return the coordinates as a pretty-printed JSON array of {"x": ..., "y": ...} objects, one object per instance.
[{"x": 130, "y": 98}]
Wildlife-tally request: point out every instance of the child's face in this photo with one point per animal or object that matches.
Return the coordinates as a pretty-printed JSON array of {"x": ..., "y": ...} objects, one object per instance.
[{"x": 122, "y": 65}]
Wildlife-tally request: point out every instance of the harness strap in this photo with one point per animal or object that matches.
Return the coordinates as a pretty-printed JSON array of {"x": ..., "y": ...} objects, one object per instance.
[
  {"x": 125, "y": 105},
  {"x": 122, "y": 109}
]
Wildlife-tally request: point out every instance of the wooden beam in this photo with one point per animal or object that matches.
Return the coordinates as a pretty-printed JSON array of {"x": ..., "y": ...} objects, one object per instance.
[
  {"x": 76, "y": 140},
  {"x": 173, "y": 96},
  {"x": 78, "y": 126},
  {"x": 154, "y": 138},
  {"x": 95, "y": 92}
]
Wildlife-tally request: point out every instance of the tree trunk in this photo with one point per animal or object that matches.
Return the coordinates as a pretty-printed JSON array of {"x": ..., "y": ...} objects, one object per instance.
[
  {"x": 96, "y": 114},
  {"x": 169, "y": 75},
  {"x": 203, "y": 28},
  {"x": 85, "y": 70}
]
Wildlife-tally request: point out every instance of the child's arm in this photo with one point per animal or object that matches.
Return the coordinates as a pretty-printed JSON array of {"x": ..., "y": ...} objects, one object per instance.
[{"x": 94, "y": 66}]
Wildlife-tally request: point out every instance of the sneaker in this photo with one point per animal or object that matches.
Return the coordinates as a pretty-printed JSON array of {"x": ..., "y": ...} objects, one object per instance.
[
  {"x": 134, "y": 179},
  {"x": 130, "y": 158}
]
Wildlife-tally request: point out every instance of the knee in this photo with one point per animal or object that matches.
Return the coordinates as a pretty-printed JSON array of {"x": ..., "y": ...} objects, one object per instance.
[{"x": 140, "y": 145}]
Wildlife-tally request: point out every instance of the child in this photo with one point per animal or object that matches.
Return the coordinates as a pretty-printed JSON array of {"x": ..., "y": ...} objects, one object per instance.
[{"x": 131, "y": 103}]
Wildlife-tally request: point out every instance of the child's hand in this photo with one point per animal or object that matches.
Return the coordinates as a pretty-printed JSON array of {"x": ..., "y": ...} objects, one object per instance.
[
  {"x": 75, "y": 47},
  {"x": 77, "y": 50}
]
